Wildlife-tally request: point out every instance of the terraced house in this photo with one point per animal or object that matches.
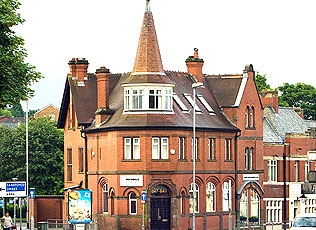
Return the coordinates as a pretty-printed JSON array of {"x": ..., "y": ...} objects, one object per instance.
[{"x": 190, "y": 141}]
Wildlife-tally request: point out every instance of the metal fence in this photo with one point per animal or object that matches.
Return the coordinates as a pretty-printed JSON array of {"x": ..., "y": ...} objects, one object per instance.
[{"x": 60, "y": 224}]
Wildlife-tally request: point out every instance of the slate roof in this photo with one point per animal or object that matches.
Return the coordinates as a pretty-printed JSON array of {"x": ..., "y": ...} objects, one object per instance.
[
  {"x": 276, "y": 125},
  {"x": 225, "y": 88},
  {"x": 218, "y": 91},
  {"x": 85, "y": 103},
  {"x": 11, "y": 122}
]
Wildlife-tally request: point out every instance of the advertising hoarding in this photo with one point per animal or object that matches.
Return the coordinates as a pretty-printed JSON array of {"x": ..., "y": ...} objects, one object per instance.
[{"x": 80, "y": 206}]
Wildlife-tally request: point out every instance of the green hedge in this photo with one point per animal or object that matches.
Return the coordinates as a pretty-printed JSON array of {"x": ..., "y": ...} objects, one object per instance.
[{"x": 10, "y": 208}]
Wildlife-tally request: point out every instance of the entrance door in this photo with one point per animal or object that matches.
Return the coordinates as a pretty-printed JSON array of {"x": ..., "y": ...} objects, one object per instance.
[{"x": 160, "y": 213}]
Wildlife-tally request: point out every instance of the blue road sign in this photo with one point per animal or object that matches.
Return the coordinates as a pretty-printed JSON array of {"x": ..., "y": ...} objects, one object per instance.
[
  {"x": 144, "y": 197},
  {"x": 32, "y": 193},
  {"x": 13, "y": 189}
]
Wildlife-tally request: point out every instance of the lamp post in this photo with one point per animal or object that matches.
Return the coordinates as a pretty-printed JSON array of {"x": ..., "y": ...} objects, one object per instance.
[
  {"x": 284, "y": 186},
  {"x": 284, "y": 189},
  {"x": 194, "y": 86},
  {"x": 14, "y": 204},
  {"x": 27, "y": 159}
]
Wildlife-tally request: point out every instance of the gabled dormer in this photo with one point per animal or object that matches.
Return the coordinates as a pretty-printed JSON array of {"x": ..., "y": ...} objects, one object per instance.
[{"x": 148, "y": 89}]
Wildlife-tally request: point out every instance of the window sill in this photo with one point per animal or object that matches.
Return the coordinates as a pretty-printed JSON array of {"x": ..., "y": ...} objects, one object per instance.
[
  {"x": 131, "y": 160},
  {"x": 212, "y": 160},
  {"x": 160, "y": 160}
]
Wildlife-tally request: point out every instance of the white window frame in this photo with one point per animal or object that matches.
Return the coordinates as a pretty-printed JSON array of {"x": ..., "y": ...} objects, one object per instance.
[
  {"x": 149, "y": 98},
  {"x": 228, "y": 149},
  {"x": 274, "y": 211},
  {"x": 248, "y": 158},
  {"x": 131, "y": 148},
  {"x": 196, "y": 148},
  {"x": 210, "y": 197},
  {"x": 226, "y": 193},
  {"x": 272, "y": 170},
  {"x": 181, "y": 143},
  {"x": 105, "y": 198},
  {"x": 211, "y": 148},
  {"x": 160, "y": 148},
  {"x": 197, "y": 199},
  {"x": 132, "y": 200}
]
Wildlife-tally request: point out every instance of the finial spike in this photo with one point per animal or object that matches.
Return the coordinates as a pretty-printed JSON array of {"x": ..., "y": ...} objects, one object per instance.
[{"x": 147, "y": 5}]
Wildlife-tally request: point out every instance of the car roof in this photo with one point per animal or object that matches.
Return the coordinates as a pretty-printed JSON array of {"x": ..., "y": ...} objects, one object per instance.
[{"x": 306, "y": 215}]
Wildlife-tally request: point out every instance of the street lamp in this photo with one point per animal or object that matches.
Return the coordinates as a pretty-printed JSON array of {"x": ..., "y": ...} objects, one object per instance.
[
  {"x": 14, "y": 206},
  {"x": 27, "y": 158},
  {"x": 194, "y": 86}
]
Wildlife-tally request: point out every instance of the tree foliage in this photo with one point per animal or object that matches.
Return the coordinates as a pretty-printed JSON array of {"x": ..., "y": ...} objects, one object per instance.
[
  {"x": 16, "y": 76},
  {"x": 261, "y": 82},
  {"x": 299, "y": 95},
  {"x": 45, "y": 161}
]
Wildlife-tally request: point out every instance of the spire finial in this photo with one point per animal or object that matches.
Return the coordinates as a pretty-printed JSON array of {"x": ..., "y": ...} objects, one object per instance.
[{"x": 147, "y": 5}]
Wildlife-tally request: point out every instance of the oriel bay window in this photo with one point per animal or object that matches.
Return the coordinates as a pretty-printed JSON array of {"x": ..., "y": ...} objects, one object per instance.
[{"x": 148, "y": 98}]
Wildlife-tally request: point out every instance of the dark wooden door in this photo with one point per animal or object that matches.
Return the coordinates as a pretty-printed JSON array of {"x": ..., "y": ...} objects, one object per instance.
[{"x": 160, "y": 213}]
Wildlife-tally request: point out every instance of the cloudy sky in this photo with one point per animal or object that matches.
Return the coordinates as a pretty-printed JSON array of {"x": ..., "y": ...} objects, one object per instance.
[{"x": 277, "y": 37}]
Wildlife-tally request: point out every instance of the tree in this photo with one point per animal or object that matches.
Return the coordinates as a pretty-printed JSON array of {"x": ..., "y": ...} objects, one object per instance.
[
  {"x": 16, "y": 76},
  {"x": 17, "y": 110},
  {"x": 299, "y": 95},
  {"x": 45, "y": 155},
  {"x": 261, "y": 82}
]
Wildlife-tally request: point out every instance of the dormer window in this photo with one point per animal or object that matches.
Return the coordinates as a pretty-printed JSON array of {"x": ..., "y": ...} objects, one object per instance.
[{"x": 149, "y": 98}]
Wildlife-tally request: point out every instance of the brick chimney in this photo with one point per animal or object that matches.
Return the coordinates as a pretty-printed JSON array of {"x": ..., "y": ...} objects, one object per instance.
[
  {"x": 103, "y": 94},
  {"x": 194, "y": 65},
  {"x": 79, "y": 69},
  {"x": 270, "y": 98}
]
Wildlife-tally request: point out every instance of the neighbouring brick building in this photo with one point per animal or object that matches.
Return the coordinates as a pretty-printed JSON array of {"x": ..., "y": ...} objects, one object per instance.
[
  {"x": 289, "y": 153},
  {"x": 133, "y": 132},
  {"x": 49, "y": 111}
]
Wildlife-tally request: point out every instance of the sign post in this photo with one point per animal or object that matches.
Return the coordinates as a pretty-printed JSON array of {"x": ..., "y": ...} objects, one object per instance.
[
  {"x": 13, "y": 189},
  {"x": 144, "y": 197}
]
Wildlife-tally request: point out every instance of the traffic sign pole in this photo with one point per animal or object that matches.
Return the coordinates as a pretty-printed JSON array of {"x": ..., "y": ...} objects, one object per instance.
[{"x": 144, "y": 197}]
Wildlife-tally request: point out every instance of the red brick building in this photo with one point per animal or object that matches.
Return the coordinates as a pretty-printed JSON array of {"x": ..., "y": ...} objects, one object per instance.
[
  {"x": 289, "y": 161},
  {"x": 133, "y": 132}
]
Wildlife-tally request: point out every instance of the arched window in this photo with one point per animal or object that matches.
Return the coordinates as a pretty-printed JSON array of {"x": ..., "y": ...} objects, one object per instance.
[
  {"x": 250, "y": 117},
  {"x": 132, "y": 203},
  {"x": 247, "y": 117},
  {"x": 210, "y": 197},
  {"x": 182, "y": 202},
  {"x": 112, "y": 202},
  {"x": 226, "y": 192},
  {"x": 194, "y": 206},
  {"x": 244, "y": 204},
  {"x": 255, "y": 203},
  {"x": 105, "y": 197}
]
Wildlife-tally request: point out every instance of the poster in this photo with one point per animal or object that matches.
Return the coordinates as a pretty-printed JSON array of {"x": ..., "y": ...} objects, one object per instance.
[{"x": 79, "y": 206}]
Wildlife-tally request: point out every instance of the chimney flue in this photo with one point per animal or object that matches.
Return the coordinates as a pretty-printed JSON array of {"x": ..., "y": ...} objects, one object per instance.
[{"x": 194, "y": 65}]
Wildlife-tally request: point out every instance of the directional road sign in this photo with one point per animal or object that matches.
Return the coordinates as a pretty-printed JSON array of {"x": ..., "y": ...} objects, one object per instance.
[
  {"x": 144, "y": 196},
  {"x": 13, "y": 189}
]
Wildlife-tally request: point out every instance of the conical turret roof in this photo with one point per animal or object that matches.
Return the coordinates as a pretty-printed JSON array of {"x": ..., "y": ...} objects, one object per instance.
[{"x": 148, "y": 64}]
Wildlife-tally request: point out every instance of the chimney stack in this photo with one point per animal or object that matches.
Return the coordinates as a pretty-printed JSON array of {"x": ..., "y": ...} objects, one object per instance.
[
  {"x": 79, "y": 69},
  {"x": 194, "y": 65},
  {"x": 102, "y": 75},
  {"x": 103, "y": 93},
  {"x": 270, "y": 98}
]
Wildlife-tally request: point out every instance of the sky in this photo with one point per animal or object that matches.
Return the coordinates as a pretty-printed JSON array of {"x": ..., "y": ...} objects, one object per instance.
[{"x": 276, "y": 36}]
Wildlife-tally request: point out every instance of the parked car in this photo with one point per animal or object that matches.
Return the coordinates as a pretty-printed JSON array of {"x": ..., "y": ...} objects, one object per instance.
[{"x": 304, "y": 221}]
